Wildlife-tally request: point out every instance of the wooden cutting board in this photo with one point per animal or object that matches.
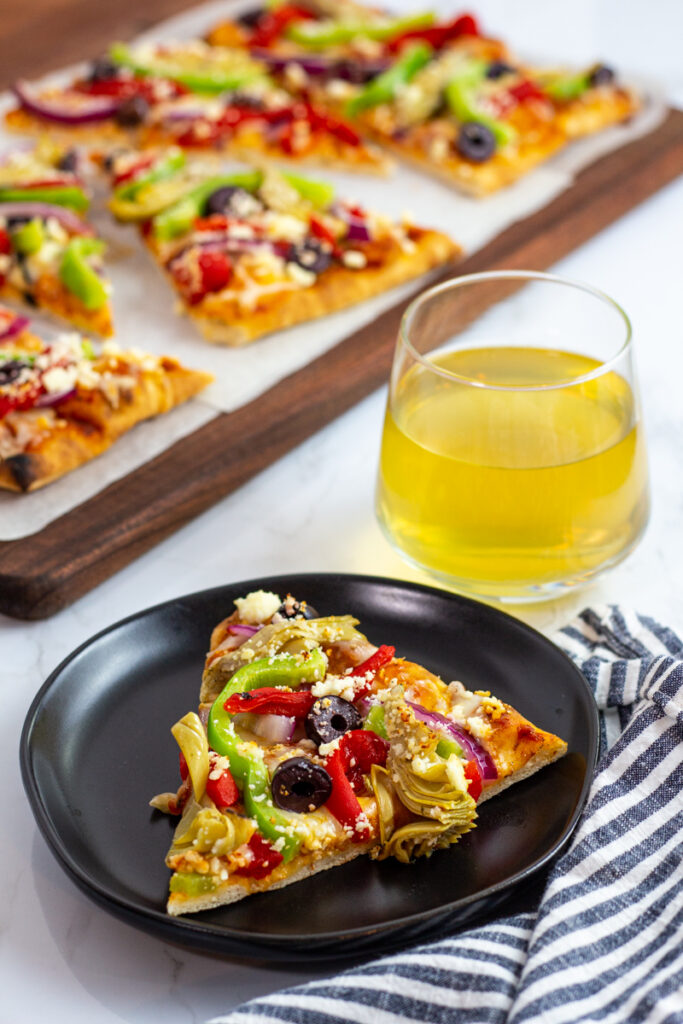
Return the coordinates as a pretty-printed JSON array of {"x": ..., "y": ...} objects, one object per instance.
[{"x": 43, "y": 573}]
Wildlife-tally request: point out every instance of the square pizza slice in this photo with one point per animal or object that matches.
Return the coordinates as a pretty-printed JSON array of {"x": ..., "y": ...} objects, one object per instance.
[
  {"x": 312, "y": 746},
  {"x": 214, "y": 99},
  {"x": 50, "y": 256},
  {"x": 62, "y": 402},
  {"x": 256, "y": 251},
  {"x": 475, "y": 119}
]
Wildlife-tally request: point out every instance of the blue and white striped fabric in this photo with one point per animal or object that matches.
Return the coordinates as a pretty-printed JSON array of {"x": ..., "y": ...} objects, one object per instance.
[{"x": 605, "y": 941}]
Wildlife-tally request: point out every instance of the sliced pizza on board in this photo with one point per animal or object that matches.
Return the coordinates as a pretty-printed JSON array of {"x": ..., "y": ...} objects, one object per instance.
[
  {"x": 62, "y": 402},
  {"x": 200, "y": 97},
  {"x": 50, "y": 256},
  {"x": 255, "y": 251},
  {"x": 312, "y": 746}
]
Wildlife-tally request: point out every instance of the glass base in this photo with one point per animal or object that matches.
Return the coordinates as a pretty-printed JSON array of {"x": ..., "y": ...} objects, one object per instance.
[{"x": 483, "y": 590}]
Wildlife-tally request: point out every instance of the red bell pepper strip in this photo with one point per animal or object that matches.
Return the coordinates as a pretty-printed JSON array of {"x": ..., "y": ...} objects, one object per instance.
[
  {"x": 273, "y": 23},
  {"x": 371, "y": 665},
  {"x": 526, "y": 90},
  {"x": 474, "y": 781},
  {"x": 269, "y": 700},
  {"x": 24, "y": 398},
  {"x": 184, "y": 770},
  {"x": 438, "y": 35},
  {"x": 223, "y": 790},
  {"x": 265, "y": 858},
  {"x": 360, "y": 749},
  {"x": 357, "y": 751},
  {"x": 343, "y": 802}
]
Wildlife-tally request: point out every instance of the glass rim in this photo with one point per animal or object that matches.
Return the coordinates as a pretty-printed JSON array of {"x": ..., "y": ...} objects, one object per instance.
[{"x": 501, "y": 275}]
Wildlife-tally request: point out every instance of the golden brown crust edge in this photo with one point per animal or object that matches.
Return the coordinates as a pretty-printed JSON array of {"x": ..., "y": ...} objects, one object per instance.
[
  {"x": 338, "y": 288},
  {"x": 553, "y": 749},
  {"x": 83, "y": 439},
  {"x": 53, "y": 298}
]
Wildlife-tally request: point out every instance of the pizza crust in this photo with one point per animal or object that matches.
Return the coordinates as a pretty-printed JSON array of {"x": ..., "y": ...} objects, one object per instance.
[
  {"x": 50, "y": 295},
  {"x": 335, "y": 289},
  {"x": 87, "y": 425}
]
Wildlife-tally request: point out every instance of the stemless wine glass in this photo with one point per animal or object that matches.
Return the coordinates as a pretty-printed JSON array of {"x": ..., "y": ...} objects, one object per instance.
[{"x": 513, "y": 462}]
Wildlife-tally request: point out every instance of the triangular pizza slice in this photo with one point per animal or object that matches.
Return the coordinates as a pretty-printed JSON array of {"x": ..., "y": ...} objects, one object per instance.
[{"x": 312, "y": 746}]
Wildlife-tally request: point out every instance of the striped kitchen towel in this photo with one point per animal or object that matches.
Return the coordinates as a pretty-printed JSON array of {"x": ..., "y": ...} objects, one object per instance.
[{"x": 605, "y": 941}]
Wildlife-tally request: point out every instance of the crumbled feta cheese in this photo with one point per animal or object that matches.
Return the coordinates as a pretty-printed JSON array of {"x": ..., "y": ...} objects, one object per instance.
[
  {"x": 59, "y": 379},
  {"x": 259, "y": 606},
  {"x": 300, "y": 275},
  {"x": 354, "y": 259},
  {"x": 325, "y": 749},
  {"x": 335, "y": 686}
]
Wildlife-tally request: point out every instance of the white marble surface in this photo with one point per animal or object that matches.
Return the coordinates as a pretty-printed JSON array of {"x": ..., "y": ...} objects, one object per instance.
[{"x": 62, "y": 958}]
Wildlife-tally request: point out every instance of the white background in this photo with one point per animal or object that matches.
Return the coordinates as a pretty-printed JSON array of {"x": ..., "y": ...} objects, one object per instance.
[{"x": 62, "y": 958}]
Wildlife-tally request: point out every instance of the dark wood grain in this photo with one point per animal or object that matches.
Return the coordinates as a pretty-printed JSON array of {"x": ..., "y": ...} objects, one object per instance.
[
  {"x": 41, "y": 574},
  {"x": 37, "y": 36}
]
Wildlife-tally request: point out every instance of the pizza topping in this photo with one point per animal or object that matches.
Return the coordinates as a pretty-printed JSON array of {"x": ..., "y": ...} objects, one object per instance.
[
  {"x": 290, "y": 608},
  {"x": 329, "y": 718},
  {"x": 264, "y": 858},
  {"x": 233, "y": 201},
  {"x": 498, "y": 69},
  {"x": 438, "y": 36},
  {"x": 80, "y": 276},
  {"x": 475, "y": 142},
  {"x": 67, "y": 107},
  {"x": 190, "y": 736},
  {"x": 601, "y": 74},
  {"x": 384, "y": 88},
  {"x": 195, "y": 66},
  {"x": 323, "y": 33},
  {"x": 272, "y": 23},
  {"x": 271, "y": 700},
  {"x": 220, "y": 786},
  {"x": 246, "y": 760},
  {"x": 206, "y": 830},
  {"x": 300, "y": 785},
  {"x": 258, "y": 606},
  {"x": 434, "y": 789}
]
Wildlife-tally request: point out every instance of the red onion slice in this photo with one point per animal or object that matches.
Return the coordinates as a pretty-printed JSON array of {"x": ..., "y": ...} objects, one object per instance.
[
  {"x": 357, "y": 227},
  {"x": 47, "y": 400},
  {"x": 15, "y": 326},
  {"x": 69, "y": 220},
  {"x": 68, "y": 108},
  {"x": 473, "y": 750},
  {"x": 273, "y": 728},
  {"x": 243, "y": 629}
]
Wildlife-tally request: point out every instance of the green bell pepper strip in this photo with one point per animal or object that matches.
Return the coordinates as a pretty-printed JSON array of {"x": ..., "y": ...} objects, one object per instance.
[
  {"x": 383, "y": 88},
  {"x": 78, "y": 276},
  {"x": 319, "y": 193},
  {"x": 460, "y": 97},
  {"x": 445, "y": 748},
  {"x": 209, "y": 80},
  {"x": 567, "y": 87},
  {"x": 58, "y": 195},
  {"x": 191, "y": 884},
  {"x": 375, "y": 721},
  {"x": 318, "y": 35},
  {"x": 248, "y": 768},
  {"x": 177, "y": 219},
  {"x": 164, "y": 169},
  {"x": 29, "y": 237}
]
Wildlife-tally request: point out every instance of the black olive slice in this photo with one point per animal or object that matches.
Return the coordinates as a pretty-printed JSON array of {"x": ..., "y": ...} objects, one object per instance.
[
  {"x": 300, "y": 785},
  {"x": 329, "y": 718}
]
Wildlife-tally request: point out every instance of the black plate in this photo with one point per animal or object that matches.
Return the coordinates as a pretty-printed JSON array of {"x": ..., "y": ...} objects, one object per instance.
[{"x": 96, "y": 745}]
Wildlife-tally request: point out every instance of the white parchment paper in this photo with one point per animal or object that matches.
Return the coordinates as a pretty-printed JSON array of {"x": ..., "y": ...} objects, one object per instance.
[{"x": 144, "y": 306}]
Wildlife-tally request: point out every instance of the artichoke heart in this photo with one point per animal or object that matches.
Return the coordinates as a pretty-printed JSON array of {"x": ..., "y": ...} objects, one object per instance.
[
  {"x": 210, "y": 831},
  {"x": 190, "y": 736},
  {"x": 289, "y": 637},
  {"x": 432, "y": 788}
]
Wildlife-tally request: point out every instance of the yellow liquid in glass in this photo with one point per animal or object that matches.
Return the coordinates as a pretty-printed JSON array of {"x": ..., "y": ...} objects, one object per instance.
[{"x": 509, "y": 491}]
